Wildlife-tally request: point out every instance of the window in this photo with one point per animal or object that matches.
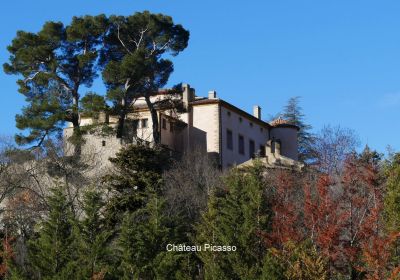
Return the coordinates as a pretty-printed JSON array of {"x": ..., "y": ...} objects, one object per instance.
[
  {"x": 145, "y": 123},
  {"x": 240, "y": 119},
  {"x": 229, "y": 139},
  {"x": 262, "y": 151},
  {"x": 103, "y": 143},
  {"x": 228, "y": 113},
  {"x": 241, "y": 145},
  {"x": 135, "y": 124},
  {"x": 251, "y": 124},
  {"x": 261, "y": 129},
  {"x": 252, "y": 148},
  {"x": 164, "y": 123}
]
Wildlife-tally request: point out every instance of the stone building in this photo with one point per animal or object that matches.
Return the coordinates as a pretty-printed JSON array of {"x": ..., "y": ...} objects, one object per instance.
[{"x": 211, "y": 124}]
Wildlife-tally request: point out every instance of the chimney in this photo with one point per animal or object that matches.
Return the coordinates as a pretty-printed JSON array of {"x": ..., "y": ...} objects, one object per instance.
[
  {"x": 188, "y": 95},
  {"x": 257, "y": 111},
  {"x": 212, "y": 94}
]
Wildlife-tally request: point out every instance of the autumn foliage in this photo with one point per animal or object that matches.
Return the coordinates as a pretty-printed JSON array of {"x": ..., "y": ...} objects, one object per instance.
[
  {"x": 6, "y": 255},
  {"x": 341, "y": 215}
]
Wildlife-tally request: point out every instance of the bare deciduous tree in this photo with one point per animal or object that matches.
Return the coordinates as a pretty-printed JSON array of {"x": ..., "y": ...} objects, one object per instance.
[
  {"x": 332, "y": 146},
  {"x": 189, "y": 182}
]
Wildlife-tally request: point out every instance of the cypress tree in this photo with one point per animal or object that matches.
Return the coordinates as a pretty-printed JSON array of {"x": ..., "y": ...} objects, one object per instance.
[
  {"x": 236, "y": 218},
  {"x": 273, "y": 269},
  {"x": 392, "y": 202},
  {"x": 298, "y": 261},
  {"x": 92, "y": 239},
  {"x": 138, "y": 213},
  {"x": 143, "y": 239},
  {"x": 207, "y": 232},
  {"x": 53, "y": 253},
  {"x": 392, "y": 198},
  {"x": 137, "y": 169}
]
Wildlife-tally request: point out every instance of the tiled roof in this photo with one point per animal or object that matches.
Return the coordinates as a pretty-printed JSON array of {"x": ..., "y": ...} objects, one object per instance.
[{"x": 279, "y": 121}]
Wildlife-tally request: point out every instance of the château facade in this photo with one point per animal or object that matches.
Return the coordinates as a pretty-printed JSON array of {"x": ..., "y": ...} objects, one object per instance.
[{"x": 213, "y": 125}]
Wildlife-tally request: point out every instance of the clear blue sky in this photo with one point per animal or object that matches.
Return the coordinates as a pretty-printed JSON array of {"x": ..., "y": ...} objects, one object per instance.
[{"x": 342, "y": 57}]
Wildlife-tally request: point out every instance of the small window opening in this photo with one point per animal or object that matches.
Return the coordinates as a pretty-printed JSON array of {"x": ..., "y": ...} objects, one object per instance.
[
  {"x": 145, "y": 123},
  {"x": 241, "y": 145},
  {"x": 229, "y": 138}
]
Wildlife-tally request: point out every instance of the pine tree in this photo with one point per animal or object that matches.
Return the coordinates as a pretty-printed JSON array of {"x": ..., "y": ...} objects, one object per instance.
[
  {"x": 52, "y": 65},
  {"x": 92, "y": 105},
  {"x": 135, "y": 67},
  {"x": 44, "y": 116},
  {"x": 53, "y": 253},
  {"x": 294, "y": 114}
]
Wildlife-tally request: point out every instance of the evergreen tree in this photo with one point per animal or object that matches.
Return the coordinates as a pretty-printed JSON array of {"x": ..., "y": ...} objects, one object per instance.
[
  {"x": 392, "y": 202},
  {"x": 143, "y": 239},
  {"x": 137, "y": 168},
  {"x": 300, "y": 261},
  {"x": 44, "y": 116},
  {"x": 93, "y": 239},
  {"x": 53, "y": 64},
  {"x": 135, "y": 67},
  {"x": 294, "y": 114},
  {"x": 92, "y": 105},
  {"x": 236, "y": 218},
  {"x": 138, "y": 213},
  {"x": 273, "y": 269},
  {"x": 53, "y": 253},
  {"x": 207, "y": 232},
  {"x": 392, "y": 198}
]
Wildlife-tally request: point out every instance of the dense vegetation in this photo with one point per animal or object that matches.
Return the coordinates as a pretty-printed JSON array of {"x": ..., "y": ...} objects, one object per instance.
[{"x": 283, "y": 224}]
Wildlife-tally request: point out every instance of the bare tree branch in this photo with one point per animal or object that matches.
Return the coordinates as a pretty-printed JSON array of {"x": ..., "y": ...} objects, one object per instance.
[{"x": 122, "y": 43}]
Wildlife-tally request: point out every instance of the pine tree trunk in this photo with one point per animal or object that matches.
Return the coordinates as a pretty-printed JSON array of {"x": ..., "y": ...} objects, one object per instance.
[
  {"x": 75, "y": 122},
  {"x": 121, "y": 119},
  {"x": 154, "y": 119}
]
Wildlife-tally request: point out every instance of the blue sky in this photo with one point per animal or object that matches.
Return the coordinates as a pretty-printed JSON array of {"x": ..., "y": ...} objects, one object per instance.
[{"x": 342, "y": 57}]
